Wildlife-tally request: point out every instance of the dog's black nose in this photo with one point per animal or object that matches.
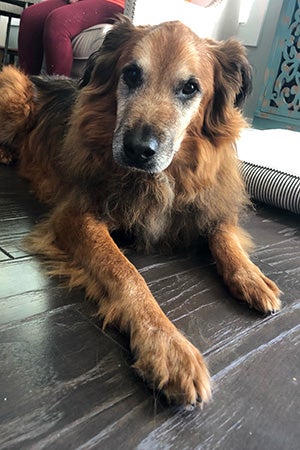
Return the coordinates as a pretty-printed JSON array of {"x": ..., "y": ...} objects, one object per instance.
[{"x": 140, "y": 144}]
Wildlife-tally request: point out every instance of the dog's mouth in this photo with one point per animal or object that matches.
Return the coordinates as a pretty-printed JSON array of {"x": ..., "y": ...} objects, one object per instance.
[{"x": 140, "y": 148}]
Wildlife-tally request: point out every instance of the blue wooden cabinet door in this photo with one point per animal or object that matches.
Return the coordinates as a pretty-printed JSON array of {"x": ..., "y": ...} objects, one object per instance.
[{"x": 279, "y": 104}]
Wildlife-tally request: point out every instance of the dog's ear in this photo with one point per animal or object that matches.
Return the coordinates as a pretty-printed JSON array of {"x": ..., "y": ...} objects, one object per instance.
[
  {"x": 100, "y": 68},
  {"x": 232, "y": 84},
  {"x": 89, "y": 67}
]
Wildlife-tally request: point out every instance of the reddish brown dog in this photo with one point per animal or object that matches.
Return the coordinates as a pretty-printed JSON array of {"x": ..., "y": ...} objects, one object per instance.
[{"x": 144, "y": 144}]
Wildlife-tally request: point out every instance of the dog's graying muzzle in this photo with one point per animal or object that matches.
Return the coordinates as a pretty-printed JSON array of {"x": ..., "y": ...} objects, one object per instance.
[{"x": 140, "y": 145}]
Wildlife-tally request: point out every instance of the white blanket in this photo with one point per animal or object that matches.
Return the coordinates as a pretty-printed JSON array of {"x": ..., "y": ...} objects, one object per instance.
[{"x": 275, "y": 149}]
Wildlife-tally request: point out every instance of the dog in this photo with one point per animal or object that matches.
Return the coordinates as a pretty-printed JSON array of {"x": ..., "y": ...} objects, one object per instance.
[{"x": 144, "y": 143}]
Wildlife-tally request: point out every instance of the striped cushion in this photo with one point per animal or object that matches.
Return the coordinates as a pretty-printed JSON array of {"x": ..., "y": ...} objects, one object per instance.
[
  {"x": 269, "y": 161},
  {"x": 272, "y": 186}
]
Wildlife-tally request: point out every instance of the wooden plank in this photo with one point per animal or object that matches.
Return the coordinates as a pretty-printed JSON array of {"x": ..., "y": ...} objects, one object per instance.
[
  {"x": 24, "y": 305},
  {"x": 13, "y": 246},
  {"x": 23, "y": 276},
  {"x": 19, "y": 211},
  {"x": 62, "y": 380}
]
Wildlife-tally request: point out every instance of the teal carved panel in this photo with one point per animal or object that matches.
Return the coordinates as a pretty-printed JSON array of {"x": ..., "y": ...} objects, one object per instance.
[{"x": 280, "y": 100}]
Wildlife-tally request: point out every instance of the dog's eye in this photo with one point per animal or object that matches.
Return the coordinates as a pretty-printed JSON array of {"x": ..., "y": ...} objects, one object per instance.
[
  {"x": 132, "y": 76},
  {"x": 189, "y": 89},
  {"x": 186, "y": 90}
]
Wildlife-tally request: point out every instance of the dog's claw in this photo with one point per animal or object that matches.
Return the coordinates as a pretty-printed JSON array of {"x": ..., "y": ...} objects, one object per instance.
[
  {"x": 193, "y": 405},
  {"x": 199, "y": 400},
  {"x": 190, "y": 407}
]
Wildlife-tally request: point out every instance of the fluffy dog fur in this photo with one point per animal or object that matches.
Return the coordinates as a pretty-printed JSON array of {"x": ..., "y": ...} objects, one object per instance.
[{"x": 144, "y": 144}]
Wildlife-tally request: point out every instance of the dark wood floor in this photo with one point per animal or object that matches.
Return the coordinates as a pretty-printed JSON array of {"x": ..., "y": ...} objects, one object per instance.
[{"x": 66, "y": 384}]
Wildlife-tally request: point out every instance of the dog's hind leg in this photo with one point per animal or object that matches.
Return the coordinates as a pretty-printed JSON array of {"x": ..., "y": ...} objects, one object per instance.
[
  {"x": 16, "y": 107},
  {"x": 164, "y": 357}
]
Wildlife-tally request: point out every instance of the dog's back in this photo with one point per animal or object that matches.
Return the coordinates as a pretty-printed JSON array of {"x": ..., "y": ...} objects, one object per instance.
[{"x": 34, "y": 116}]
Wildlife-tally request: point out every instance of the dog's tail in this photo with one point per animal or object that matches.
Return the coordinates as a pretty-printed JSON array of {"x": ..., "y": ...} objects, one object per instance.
[{"x": 16, "y": 106}]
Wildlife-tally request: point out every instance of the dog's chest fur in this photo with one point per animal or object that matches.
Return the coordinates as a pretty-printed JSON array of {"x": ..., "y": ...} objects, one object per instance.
[{"x": 146, "y": 206}]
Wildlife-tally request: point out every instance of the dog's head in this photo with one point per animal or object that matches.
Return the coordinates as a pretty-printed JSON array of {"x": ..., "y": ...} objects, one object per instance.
[{"x": 166, "y": 80}]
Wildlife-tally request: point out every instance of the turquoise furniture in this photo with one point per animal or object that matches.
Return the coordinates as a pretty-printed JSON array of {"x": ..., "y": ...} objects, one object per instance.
[{"x": 279, "y": 103}]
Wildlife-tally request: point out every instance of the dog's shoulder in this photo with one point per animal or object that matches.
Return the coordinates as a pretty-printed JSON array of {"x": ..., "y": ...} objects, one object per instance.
[
  {"x": 55, "y": 92},
  {"x": 52, "y": 83}
]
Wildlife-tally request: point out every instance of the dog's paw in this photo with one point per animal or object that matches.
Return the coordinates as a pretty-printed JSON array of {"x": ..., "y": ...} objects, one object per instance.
[
  {"x": 171, "y": 364},
  {"x": 252, "y": 286}
]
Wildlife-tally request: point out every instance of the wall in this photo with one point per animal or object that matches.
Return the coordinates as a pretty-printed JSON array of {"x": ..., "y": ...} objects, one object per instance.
[
  {"x": 3, "y": 22},
  {"x": 13, "y": 37},
  {"x": 220, "y": 21}
]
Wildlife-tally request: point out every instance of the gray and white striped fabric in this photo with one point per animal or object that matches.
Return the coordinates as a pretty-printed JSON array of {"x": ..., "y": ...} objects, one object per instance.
[
  {"x": 270, "y": 165},
  {"x": 272, "y": 186}
]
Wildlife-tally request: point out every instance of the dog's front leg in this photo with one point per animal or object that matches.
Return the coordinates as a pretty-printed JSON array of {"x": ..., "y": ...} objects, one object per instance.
[
  {"x": 164, "y": 357},
  {"x": 243, "y": 278}
]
